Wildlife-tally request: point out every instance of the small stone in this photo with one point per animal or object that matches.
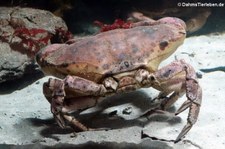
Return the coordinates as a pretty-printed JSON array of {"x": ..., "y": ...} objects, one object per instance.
[
  {"x": 199, "y": 74},
  {"x": 127, "y": 111},
  {"x": 73, "y": 135}
]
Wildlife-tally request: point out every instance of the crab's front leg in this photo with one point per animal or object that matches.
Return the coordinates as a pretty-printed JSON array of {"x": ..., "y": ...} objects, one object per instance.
[
  {"x": 178, "y": 78},
  {"x": 71, "y": 94}
]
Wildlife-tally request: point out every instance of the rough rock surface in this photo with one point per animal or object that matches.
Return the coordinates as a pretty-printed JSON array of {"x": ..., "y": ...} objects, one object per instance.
[
  {"x": 23, "y": 32},
  {"x": 26, "y": 121}
]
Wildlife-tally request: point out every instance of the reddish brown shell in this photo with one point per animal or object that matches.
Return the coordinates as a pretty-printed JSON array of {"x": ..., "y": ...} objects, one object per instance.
[{"x": 112, "y": 52}]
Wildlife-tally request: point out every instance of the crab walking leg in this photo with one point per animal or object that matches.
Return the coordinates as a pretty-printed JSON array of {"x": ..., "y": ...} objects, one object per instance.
[
  {"x": 179, "y": 77},
  {"x": 166, "y": 103},
  {"x": 75, "y": 122},
  {"x": 54, "y": 92},
  {"x": 194, "y": 96},
  {"x": 74, "y": 93},
  {"x": 57, "y": 90},
  {"x": 170, "y": 101}
]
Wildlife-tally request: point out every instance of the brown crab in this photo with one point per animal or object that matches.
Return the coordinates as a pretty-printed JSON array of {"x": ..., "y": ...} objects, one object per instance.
[{"x": 118, "y": 61}]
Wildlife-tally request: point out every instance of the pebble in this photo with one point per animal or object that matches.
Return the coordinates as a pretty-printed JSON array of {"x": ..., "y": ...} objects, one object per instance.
[{"x": 127, "y": 111}]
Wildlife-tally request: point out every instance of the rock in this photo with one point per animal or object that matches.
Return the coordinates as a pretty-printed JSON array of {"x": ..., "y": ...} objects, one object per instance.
[
  {"x": 23, "y": 32},
  {"x": 12, "y": 63}
]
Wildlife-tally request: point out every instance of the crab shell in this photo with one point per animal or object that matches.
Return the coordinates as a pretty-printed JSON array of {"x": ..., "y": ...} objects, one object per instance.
[{"x": 115, "y": 51}]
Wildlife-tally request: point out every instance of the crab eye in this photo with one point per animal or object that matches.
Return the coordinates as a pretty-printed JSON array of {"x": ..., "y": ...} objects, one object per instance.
[
  {"x": 163, "y": 45},
  {"x": 126, "y": 64},
  {"x": 151, "y": 78}
]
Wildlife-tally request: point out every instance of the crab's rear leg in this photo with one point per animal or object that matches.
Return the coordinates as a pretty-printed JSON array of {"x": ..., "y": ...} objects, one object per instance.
[{"x": 179, "y": 77}]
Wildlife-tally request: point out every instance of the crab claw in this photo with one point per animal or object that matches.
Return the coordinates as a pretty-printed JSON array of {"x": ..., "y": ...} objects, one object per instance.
[{"x": 55, "y": 93}]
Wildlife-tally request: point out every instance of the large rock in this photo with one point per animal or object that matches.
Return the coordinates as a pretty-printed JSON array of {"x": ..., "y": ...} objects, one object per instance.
[
  {"x": 23, "y": 32},
  {"x": 12, "y": 63}
]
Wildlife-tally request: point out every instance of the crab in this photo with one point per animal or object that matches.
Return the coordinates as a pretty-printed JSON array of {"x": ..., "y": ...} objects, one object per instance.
[{"x": 119, "y": 61}]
